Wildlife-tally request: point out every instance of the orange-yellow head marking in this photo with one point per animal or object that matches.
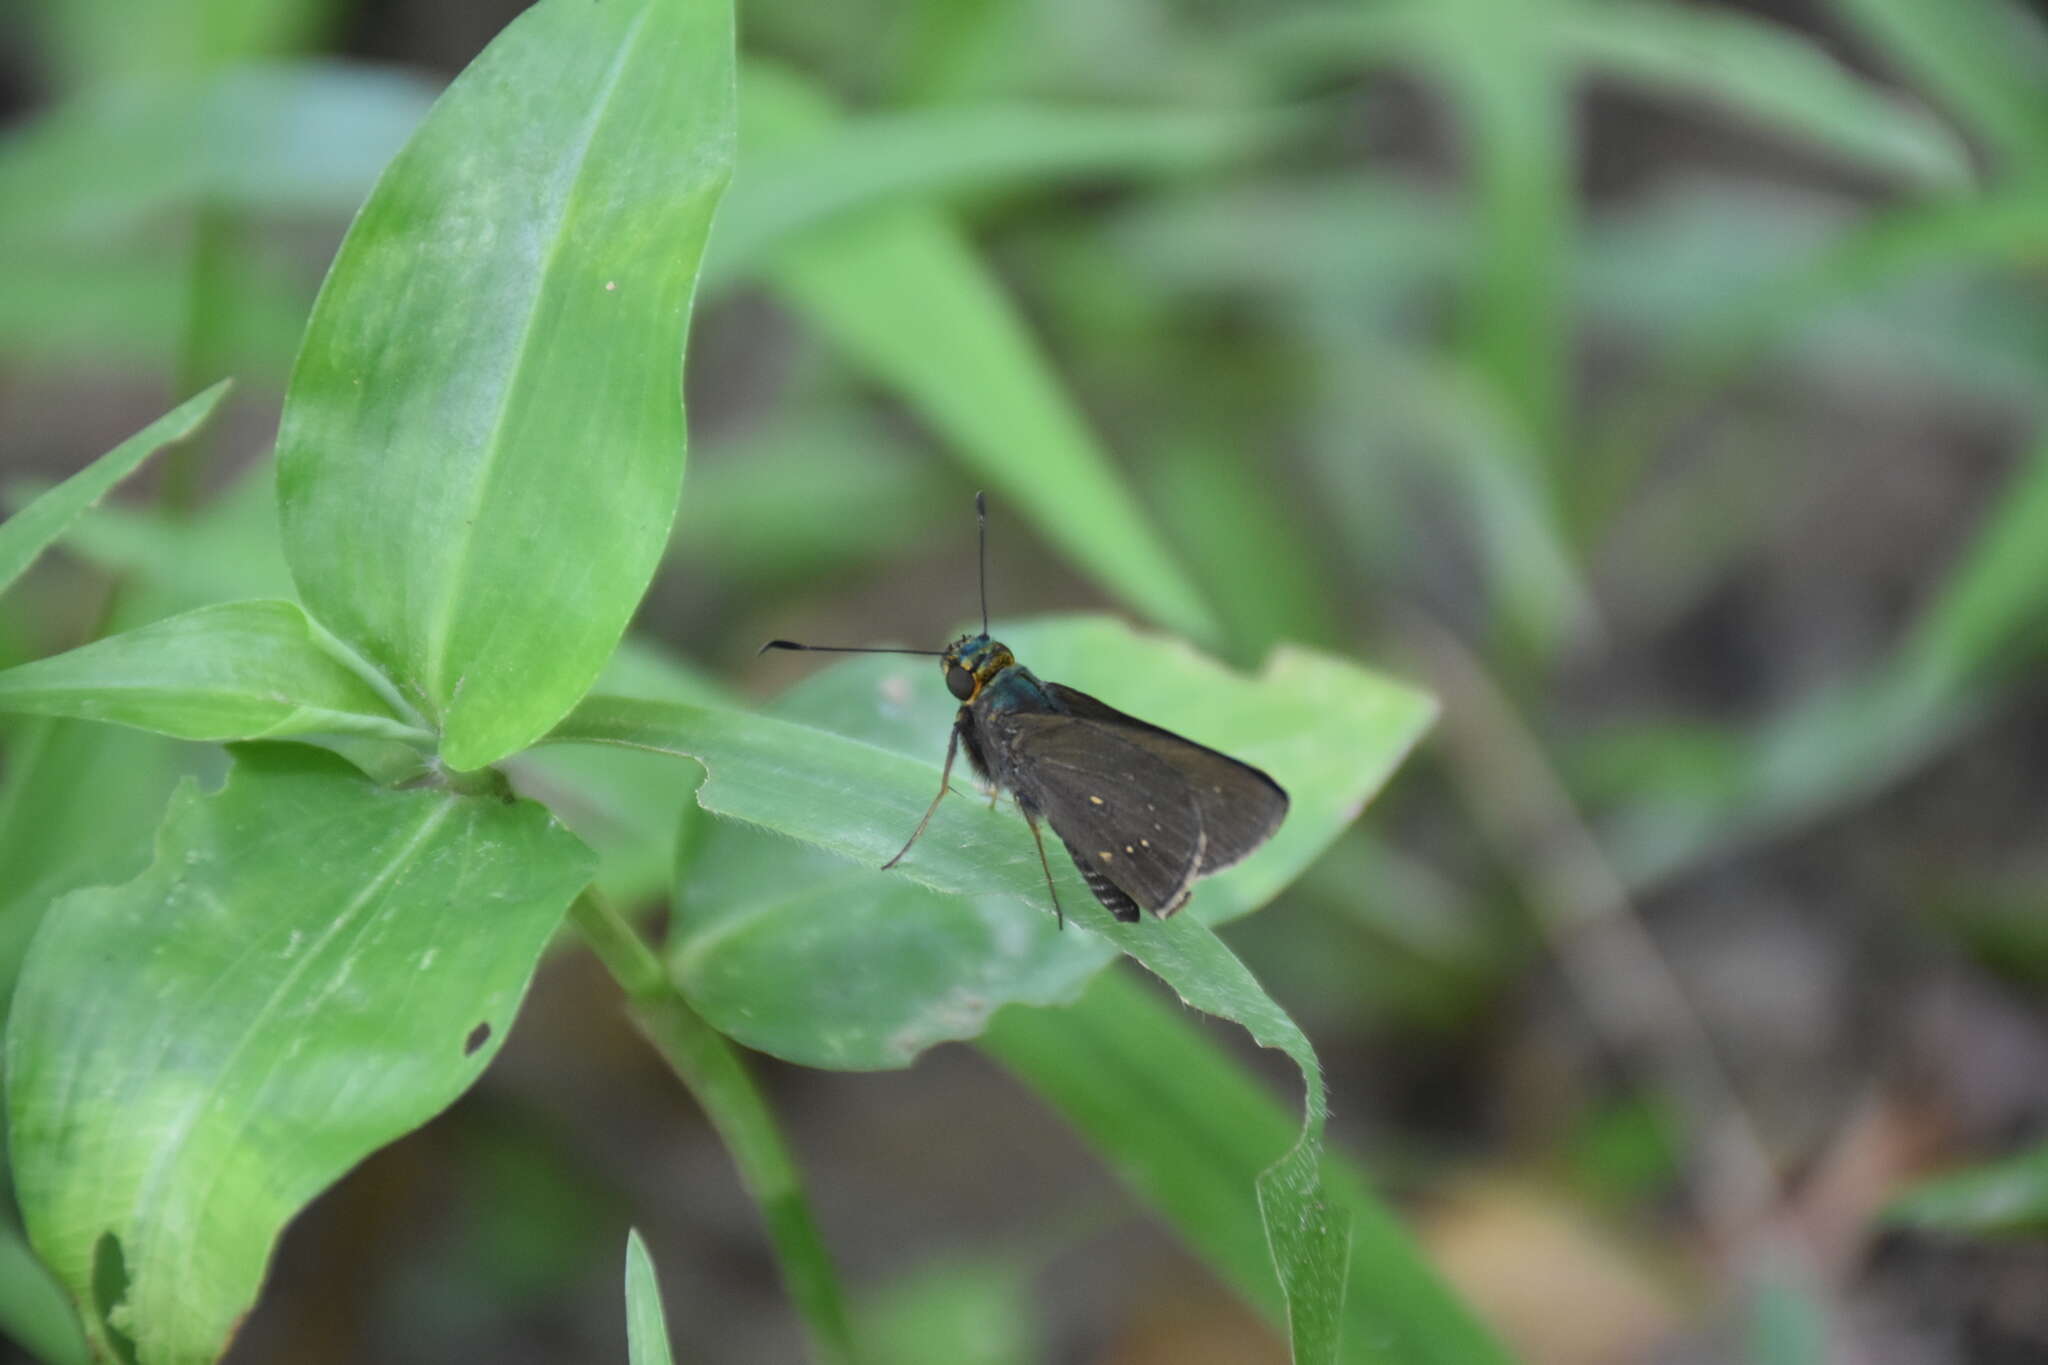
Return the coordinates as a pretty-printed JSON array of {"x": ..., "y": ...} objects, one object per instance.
[{"x": 971, "y": 662}]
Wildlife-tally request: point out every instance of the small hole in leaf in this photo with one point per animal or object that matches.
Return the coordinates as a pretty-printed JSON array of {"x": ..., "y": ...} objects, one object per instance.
[
  {"x": 110, "y": 1292},
  {"x": 478, "y": 1036}
]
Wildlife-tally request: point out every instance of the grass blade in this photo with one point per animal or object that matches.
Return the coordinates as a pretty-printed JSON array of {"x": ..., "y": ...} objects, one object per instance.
[
  {"x": 1188, "y": 1129},
  {"x": 646, "y": 1327},
  {"x": 29, "y": 532}
]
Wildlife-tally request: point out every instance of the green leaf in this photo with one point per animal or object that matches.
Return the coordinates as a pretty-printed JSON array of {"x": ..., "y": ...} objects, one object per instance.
[
  {"x": 805, "y": 176},
  {"x": 906, "y": 299},
  {"x": 2004, "y": 230},
  {"x": 240, "y": 670},
  {"x": 286, "y": 138},
  {"x": 483, "y": 440},
  {"x": 35, "y": 1313},
  {"x": 2005, "y": 1196},
  {"x": 630, "y": 807},
  {"x": 1991, "y": 609},
  {"x": 30, "y": 531},
  {"x": 958, "y": 1311},
  {"x": 114, "y": 43},
  {"x": 1186, "y": 1127},
  {"x": 1269, "y": 587},
  {"x": 1987, "y": 61},
  {"x": 1844, "y": 742},
  {"x": 1327, "y": 731},
  {"x": 225, "y": 550},
  {"x": 646, "y": 1327},
  {"x": 810, "y": 497},
  {"x": 1772, "y": 76},
  {"x": 1788, "y": 1318},
  {"x": 312, "y": 966},
  {"x": 765, "y": 933},
  {"x": 70, "y": 305},
  {"x": 1497, "y": 63}
]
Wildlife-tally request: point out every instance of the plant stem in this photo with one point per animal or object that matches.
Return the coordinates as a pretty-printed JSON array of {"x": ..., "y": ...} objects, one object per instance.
[
  {"x": 203, "y": 351},
  {"x": 714, "y": 1073}
]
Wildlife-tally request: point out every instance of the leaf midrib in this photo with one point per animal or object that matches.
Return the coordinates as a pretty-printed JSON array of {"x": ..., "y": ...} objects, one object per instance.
[
  {"x": 434, "y": 664},
  {"x": 152, "y": 1195}
]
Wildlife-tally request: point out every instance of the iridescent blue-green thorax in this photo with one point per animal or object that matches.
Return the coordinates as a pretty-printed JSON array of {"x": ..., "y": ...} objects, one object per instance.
[{"x": 981, "y": 670}]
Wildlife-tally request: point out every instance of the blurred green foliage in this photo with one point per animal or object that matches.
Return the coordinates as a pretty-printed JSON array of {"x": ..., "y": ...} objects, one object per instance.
[{"x": 1575, "y": 328}]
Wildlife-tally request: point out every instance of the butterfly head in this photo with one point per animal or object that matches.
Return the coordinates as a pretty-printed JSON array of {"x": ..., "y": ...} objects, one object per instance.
[{"x": 971, "y": 661}]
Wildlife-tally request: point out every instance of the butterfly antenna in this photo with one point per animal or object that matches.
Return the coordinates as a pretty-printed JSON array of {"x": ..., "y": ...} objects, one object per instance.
[
  {"x": 845, "y": 649},
  {"x": 981, "y": 523}
]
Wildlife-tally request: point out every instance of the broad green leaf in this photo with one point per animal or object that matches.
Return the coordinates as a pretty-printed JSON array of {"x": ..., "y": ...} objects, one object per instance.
[
  {"x": 483, "y": 440},
  {"x": 312, "y": 966},
  {"x": 1986, "y": 61},
  {"x": 2005, "y": 1196},
  {"x": 905, "y": 298},
  {"x": 646, "y": 1327},
  {"x": 1186, "y": 1127},
  {"x": 847, "y": 762},
  {"x": 1327, "y": 731},
  {"x": 30, "y": 531},
  {"x": 1770, "y": 75},
  {"x": 240, "y": 670},
  {"x": 80, "y": 801}
]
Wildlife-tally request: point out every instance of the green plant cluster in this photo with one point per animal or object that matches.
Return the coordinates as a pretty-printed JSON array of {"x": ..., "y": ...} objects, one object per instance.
[{"x": 282, "y": 848}]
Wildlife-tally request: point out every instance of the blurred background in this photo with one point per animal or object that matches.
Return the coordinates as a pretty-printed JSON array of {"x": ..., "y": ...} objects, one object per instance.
[{"x": 1660, "y": 384}]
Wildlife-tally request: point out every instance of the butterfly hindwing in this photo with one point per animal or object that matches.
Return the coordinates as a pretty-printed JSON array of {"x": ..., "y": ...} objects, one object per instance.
[
  {"x": 1239, "y": 805},
  {"x": 1113, "y": 897},
  {"x": 1125, "y": 815}
]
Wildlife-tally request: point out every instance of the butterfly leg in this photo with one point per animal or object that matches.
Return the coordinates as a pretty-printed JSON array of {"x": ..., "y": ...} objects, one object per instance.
[
  {"x": 1059, "y": 916},
  {"x": 945, "y": 781}
]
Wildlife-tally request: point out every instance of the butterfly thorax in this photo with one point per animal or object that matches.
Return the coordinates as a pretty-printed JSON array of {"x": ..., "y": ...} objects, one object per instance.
[{"x": 983, "y": 673}]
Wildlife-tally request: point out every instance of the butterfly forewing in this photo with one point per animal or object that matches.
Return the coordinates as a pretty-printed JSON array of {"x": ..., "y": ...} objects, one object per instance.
[
  {"x": 1123, "y": 812},
  {"x": 1239, "y": 806}
]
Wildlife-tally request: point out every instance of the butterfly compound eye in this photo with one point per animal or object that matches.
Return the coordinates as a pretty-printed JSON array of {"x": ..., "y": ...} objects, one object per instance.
[{"x": 959, "y": 681}]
